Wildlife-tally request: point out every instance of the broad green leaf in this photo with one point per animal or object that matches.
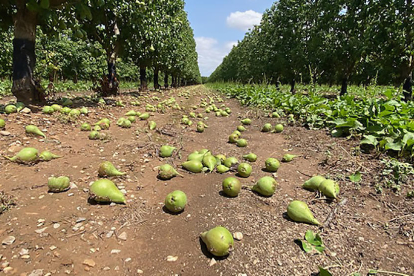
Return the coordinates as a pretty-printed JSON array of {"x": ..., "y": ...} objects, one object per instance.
[
  {"x": 324, "y": 272},
  {"x": 356, "y": 177}
]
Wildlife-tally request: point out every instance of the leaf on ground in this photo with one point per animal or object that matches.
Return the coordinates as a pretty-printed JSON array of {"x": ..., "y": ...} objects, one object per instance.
[
  {"x": 324, "y": 272},
  {"x": 356, "y": 177}
]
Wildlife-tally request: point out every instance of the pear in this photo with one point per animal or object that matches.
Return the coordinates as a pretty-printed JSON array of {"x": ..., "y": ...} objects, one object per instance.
[
  {"x": 231, "y": 186},
  {"x": 56, "y": 107},
  {"x": 175, "y": 201},
  {"x": 152, "y": 125},
  {"x": 194, "y": 166},
  {"x": 94, "y": 135},
  {"x": 230, "y": 161},
  {"x": 131, "y": 113},
  {"x": 251, "y": 157},
  {"x": 209, "y": 161},
  {"x": 278, "y": 128},
  {"x": 222, "y": 169},
  {"x": 32, "y": 129},
  {"x": 166, "y": 151},
  {"x": 313, "y": 183},
  {"x": 47, "y": 156},
  {"x": 246, "y": 121},
  {"x": 288, "y": 157},
  {"x": 242, "y": 143},
  {"x": 144, "y": 116},
  {"x": 198, "y": 156},
  {"x": 218, "y": 240},
  {"x": 241, "y": 128},
  {"x": 233, "y": 138},
  {"x": 266, "y": 186},
  {"x": 244, "y": 170},
  {"x": 48, "y": 109},
  {"x": 85, "y": 127},
  {"x": 166, "y": 172},
  {"x": 267, "y": 127},
  {"x": 104, "y": 190},
  {"x": 108, "y": 169},
  {"x": 58, "y": 184},
  {"x": 25, "y": 155},
  {"x": 2, "y": 123},
  {"x": 299, "y": 211},
  {"x": 329, "y": 188},
  {"x": 10, "y": 109},
  {"x": 272, "y": 165}
]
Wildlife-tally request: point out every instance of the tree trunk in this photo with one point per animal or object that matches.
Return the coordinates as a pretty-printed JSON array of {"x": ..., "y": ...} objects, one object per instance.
[
  {"x": 173, "y": 81},
  {"x": 143, "y": 78},
  {"x": 156, "y": 78},
  {"x": 24, "y": 88},
  {"x": 292, "y": 86},
  {"x": 408, "y": 88},
  {"x": 166, "y": 80},
  {"x": 344, "y": 86},
  {"x": 113, "y": 83}
]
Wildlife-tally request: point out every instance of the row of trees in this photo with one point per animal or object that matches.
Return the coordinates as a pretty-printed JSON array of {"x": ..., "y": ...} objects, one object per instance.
[
  {"x": 152, "y": 34},
  {"x": 327, "y": 41}
]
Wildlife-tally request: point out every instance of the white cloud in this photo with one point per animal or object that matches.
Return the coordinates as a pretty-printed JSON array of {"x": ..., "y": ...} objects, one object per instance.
[
  {"x": 211, "y": 53},
  {"x": 244, "y": 20}
]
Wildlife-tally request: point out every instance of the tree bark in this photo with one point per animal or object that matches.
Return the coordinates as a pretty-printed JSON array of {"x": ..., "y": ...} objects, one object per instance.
[
  {"x": 24, "y": 88},
  {"x": 166, "y": 80},
  {"x": 156, "y": 78},
  {"x": 344, "y": 86},
  {"x": 408, "y": 88},
  {"x": 112, "y": 79},
  {"x": 292, "y": 86},
  {"x": 143, "y": 78}
]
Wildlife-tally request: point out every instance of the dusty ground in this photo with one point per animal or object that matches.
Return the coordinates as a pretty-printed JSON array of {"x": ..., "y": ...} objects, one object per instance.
[{"x": 61, "y": 233}]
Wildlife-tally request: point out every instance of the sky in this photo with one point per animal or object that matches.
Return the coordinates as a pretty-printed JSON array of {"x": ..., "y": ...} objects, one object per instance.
[{"x": 219, "y": 24}]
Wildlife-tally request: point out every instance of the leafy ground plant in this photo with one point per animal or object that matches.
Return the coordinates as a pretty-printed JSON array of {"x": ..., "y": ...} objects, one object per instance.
[{"x": 312, "y": 242}]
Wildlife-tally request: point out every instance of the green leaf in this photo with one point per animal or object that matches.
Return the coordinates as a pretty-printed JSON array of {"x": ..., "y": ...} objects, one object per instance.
[
  {"x": 356, "y": 177},
  {"x": 373, "y": 272},
  {"x": 309, "y": 236},
  {"x": 324, "y": 272},
  {"x": 369, "y": 140},
  {"x": 306, "y": 246},
  {"x": 320, "y": 248}
]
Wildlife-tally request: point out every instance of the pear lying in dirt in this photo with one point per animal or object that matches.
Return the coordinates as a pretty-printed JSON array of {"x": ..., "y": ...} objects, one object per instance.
[
  {"x": 175, "y": 202},
  {"x": 251, "y": 157},
  {"x": 299, "y": 211},
  {"x": 104, "y": 190},
  {"x": 246, "y": 121},
  {"x": 272, "y": 165},
  {"x": 58, "y": 184},
  {"x": 222, "y": 169},
  {"x": 32, "y": 129},
  {"x": 108, "y": 169},
  {"x": 329, "y": 188},
  {"x": 194, "y": 166},
  {"x": 278, "y": 128},
  {"x": 241, "y": 143},
  {"x": 313, "y": 183},
  {"x": 209, "y": 161},
  {"x": 152, "y": 125},
  {"x": 266, "y": 186},
  {"x": 166, "y": 172},
  {"x": 219, "y": 241},
  {"x": 47, "y": 156},
  {"x": 267, "y": 127},
  {"x": 288, "y": 157},
  {"x": 2, "y": 123},
  {"x": 244, "y": 170},
  {"x": 25, "y": 155},
  {"x": 85, "y": 127},
  {"x": 230, "y": 161},
  {"x": 231, "y": 186},
  {"x": 167, "y": 151}
]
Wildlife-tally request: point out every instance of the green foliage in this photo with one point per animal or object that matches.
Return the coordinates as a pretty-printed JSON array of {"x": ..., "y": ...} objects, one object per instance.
[
  {"x": 312, "y": 242},
  {"x": 384, "y": 124},
  {"x": 327, "y": 42}
]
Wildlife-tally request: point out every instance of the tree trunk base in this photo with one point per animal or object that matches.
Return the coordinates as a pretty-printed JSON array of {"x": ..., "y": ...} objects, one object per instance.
[{"x": 28, "y": 91}]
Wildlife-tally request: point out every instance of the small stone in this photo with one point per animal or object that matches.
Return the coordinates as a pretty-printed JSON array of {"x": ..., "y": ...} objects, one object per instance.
[
  {"x": 80, "y": 220},
  {"x": 40, "y": 231},
  {"x": 123, "y": 236},
  {"x": 238, "y": 236},
  {"x": 106, "y": 268},
  {"x": 116, "y": 268},
  {"x": 26, "y": 110},
  {"x": 5, "y": 264},
  {"x": 25, "y": 257},
  {"x": 37, "y": 272},
  {"x": 128, "y": 260},
  {"x": 212, "y": 262},
  {"x": 56, "y": 225},
  {"x": 8, "y": 270},
  {"x": 8, "y": 241},
  {"x": 5, "y": 133},
  {"x": 23, "y": 251},
  {"x": 109, "y": 234},
  {"x": 52, "y": 247},
  {"x": 115, "y": 251},
  {"x": 172, "y": 258},
  {"x": 71, "y": 194},
  {"x": 89, "y": 262},
  {"x": 139, "y": 271}
]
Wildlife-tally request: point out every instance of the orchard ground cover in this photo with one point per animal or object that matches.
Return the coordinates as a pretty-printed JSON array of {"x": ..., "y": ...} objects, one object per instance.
[{"x": 64, "y": 233}]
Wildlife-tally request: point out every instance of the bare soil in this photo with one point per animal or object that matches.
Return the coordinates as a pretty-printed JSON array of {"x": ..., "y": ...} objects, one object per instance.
[{"x": 65, "y": 234}]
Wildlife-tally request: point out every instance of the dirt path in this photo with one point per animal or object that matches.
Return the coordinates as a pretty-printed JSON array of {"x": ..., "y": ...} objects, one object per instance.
[{"x": 61, "y": 233}]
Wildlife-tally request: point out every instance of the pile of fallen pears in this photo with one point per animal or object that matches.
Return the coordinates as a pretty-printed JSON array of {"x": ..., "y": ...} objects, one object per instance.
[{"x": 219, "y": 241}]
